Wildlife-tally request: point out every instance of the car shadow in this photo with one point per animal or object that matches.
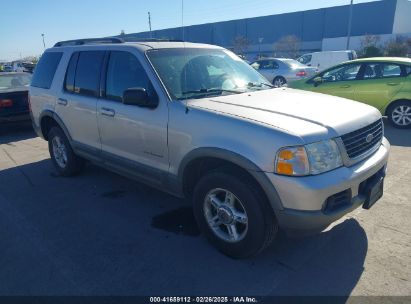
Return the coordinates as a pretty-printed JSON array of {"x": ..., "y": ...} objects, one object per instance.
[
  {"x": 94, "y": 235},
  {"x": 397, "y": 137},
  {"x": 16, "y": 131}
]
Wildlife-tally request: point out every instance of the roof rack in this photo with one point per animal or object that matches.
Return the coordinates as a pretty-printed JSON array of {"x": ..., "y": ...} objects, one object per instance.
[
  {"x": 136, "y": 39},
  {"x": 89, "y": 41}
]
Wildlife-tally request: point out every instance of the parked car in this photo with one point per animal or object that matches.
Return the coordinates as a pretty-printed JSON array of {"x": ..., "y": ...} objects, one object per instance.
[
  {"x": 280, "y": 71},
  {"x": 326, "y": 59},
  {"x": 196, "y": 121},
  {"x": 382, "y": 82},
  {"x": 14, "y": 105},
  {"x": 7, "y": 68}
]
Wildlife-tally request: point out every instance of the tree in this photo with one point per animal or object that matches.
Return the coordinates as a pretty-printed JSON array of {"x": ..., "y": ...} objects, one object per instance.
[
  {"x": 370, "y": 46},
  {"x": 33, "y": 59},
  {"x": 288, "y": 46},
  {"x": 241, "y": 45},
  {"x": 397, "y": 47}
]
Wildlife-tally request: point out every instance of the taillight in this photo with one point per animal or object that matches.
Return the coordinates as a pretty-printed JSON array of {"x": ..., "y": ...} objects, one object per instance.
[
  {"x": 6, "y": 103},
  {"x": 301, "y": 73}
]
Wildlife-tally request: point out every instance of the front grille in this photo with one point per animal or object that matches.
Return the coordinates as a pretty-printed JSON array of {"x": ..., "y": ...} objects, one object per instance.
[
  {"x": 338, "y": 201},
  {"x": 356, "y": 144}
]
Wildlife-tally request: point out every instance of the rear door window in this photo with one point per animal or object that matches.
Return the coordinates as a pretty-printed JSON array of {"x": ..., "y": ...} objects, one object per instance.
[
  {"x": 70, "y": 74},
  {"x": 381, "y": 70},
  {"x": 87, "y": 79},
  {"x": 45, "y": 70}
]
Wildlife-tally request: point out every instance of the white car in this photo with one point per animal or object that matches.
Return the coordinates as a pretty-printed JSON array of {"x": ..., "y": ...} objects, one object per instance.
[{"x": 325, "y": 60}]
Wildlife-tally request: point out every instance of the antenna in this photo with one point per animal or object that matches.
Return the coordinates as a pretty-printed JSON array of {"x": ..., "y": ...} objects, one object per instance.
[{"x": 184, "y": 46}]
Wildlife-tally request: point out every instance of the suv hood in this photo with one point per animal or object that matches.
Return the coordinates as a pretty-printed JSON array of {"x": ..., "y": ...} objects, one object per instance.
[{"x": 311, "y": 116}]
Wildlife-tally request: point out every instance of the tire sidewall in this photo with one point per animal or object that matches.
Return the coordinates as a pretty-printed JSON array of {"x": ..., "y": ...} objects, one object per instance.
[
  {"x": 254, "y": 207},
  {"x": 284, "y": 81},
  {"x": 70, "y": 165}
]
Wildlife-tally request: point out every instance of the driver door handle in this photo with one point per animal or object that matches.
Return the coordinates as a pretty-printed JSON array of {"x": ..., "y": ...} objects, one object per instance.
[
  {"x": 62, "y": 101},
  {"x": 107, "y": 112}
]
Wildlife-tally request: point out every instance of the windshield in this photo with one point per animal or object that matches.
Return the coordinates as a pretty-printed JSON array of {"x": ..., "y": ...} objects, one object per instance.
[
  {"x": 196, "y": 73},
  {"x": 14, "y": 81}
]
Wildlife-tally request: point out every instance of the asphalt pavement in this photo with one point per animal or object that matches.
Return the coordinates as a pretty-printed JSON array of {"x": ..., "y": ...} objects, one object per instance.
[{"x": 102, "y": 234}]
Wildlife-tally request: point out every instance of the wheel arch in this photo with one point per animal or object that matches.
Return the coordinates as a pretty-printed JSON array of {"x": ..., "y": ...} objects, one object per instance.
[
  {"x": 392, "y": 103},
  {"x": 203, "y": 160},
  {"x": 49, "y": 119}
]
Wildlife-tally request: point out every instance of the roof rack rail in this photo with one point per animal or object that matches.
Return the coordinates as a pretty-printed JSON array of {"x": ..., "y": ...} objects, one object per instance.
[
  {"x": 136, "y": 39},
  {"x": 89, "y": 41}
]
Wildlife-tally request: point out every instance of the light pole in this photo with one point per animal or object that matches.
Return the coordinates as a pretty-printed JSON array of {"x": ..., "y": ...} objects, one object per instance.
[
  {"x": 349, "y": 26},
  {"x": 149, "y": 23},
  {"x": 44, "y": 44}
]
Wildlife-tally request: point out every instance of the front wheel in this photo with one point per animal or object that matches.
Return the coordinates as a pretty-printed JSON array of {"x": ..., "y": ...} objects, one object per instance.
[
  {"x": 399, "y": 114},
  {"x": 233, "y": 214}
]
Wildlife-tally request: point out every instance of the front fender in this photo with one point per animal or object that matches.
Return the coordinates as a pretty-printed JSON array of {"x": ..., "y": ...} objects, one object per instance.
[{"x": 238, "y": 160}]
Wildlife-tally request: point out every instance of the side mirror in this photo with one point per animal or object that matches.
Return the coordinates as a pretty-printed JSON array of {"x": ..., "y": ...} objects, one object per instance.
[
  {"x": 317, "y": 81},
  {"x": 139, "y": 97}
]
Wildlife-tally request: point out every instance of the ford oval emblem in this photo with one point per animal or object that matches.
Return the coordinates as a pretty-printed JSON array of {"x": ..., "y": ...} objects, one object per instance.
[{"x": 369, "y": 138}]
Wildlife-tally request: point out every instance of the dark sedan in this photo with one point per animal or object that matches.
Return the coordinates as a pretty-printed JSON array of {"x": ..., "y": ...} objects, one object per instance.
[{"x": 14, "y": 105}]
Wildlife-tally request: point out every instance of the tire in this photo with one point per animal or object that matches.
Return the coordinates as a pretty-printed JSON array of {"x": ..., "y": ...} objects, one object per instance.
[
  {"x": 62, "y": 155},
  {"x": 279, "y": 81},
  {"x": 261, "y": 226},
  {"x": 399, "y": 114}
]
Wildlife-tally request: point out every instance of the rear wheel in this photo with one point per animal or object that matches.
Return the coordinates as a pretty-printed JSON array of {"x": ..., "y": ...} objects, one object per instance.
[
  {"x": 279, "y": 81},
  {"x": 399, "y": 114},
  {"x": 233, "y": 214},
  {"x": 62, "y": 155}
]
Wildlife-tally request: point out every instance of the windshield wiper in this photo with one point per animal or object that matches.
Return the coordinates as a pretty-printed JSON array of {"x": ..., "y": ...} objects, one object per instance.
[
  {"x": 259, "y": 85},
  {"x": 210, "y": 90}
]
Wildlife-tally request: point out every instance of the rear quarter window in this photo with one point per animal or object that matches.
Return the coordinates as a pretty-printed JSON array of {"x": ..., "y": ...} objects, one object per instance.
[{"x": 45, "y": 70}]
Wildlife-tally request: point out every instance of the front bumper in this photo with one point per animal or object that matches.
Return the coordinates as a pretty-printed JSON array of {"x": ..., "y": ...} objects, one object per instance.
[{"x": 304, "y": 198}]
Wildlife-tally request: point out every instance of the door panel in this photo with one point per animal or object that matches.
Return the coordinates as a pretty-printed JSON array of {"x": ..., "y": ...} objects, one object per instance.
[
  {"x": 343, "y": 89},
  {"x": 129, "y": 132},
  {"x": 339, "y": 81},
  {"x": 77, "y": 102}
]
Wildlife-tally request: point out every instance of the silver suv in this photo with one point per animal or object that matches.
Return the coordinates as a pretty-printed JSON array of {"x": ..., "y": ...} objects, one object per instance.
[{"x": 196, "y": 121}]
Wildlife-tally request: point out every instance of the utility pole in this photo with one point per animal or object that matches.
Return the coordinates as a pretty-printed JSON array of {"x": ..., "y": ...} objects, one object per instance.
[
  {"x": 44, "y": 44},
  {"x": 149, "y": 23},
  {"x": 349, "y": 26}
]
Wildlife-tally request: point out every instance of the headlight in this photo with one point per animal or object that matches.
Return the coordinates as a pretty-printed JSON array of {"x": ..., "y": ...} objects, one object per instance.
[{"x": 312, "y": 159}]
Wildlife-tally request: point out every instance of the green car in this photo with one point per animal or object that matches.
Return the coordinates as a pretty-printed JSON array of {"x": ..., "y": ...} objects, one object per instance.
[{"x": 382, "y": 82}]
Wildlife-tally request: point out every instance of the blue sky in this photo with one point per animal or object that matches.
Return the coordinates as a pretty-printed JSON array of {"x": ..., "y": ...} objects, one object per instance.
[{"x": 23, "y": 21}]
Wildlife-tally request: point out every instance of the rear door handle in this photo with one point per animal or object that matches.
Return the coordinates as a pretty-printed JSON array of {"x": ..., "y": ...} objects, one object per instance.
[
  {"x": 392, "y": 84},
  {"x": 107, "y": 112},
  {"x": 62, "y": 101}
]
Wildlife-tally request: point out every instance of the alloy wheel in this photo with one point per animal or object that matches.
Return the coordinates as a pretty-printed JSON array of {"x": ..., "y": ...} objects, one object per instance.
[
  {"x": 225, "y": 215},
  {"x": 59, "y": 152}
]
